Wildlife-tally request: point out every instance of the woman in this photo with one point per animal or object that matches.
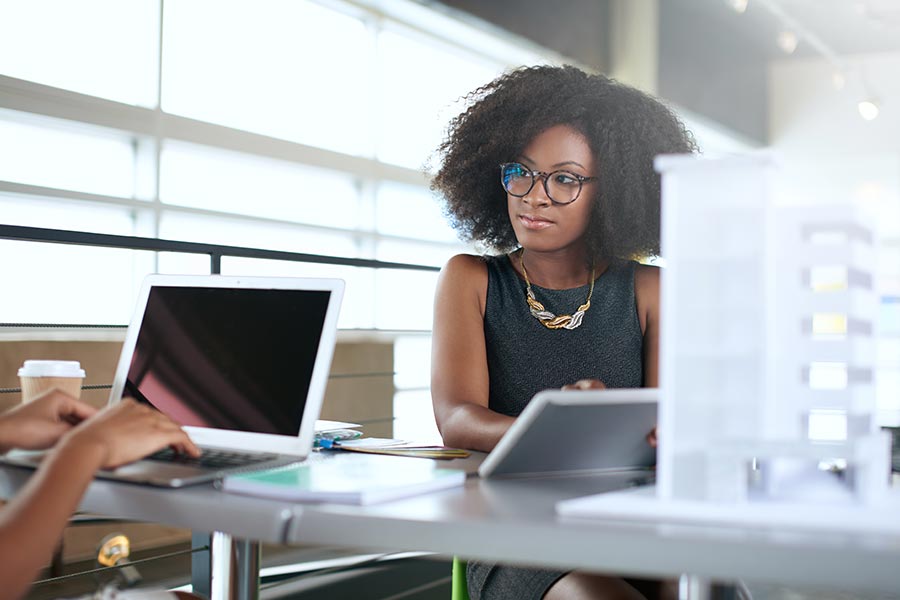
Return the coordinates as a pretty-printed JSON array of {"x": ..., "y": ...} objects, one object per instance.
[{"x": 553, "y": 169}]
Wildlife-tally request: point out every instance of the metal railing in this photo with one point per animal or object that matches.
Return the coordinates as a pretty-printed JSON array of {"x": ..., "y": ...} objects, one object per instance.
[{"x": 214, "y": 251}]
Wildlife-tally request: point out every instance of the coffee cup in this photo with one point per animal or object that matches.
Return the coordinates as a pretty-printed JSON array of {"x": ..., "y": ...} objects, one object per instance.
[{"x": 39, "y": 376}]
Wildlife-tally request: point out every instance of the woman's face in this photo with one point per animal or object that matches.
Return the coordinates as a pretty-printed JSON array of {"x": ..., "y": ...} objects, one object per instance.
[{"x": 541, "y": 225}]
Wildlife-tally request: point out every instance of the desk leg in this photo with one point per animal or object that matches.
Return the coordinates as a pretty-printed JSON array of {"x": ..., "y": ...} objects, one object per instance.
[
  {"x": 200, "y": 564},
  {"x": 234, "y": 568},
  {"x": 692, "y": 587}
]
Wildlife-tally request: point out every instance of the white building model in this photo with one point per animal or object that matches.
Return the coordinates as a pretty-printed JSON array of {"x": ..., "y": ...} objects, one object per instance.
[{"x": 767, "y": 402}]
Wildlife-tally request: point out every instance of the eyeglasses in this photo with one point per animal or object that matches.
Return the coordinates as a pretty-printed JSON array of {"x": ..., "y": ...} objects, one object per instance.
[{"x": 562, "y": 187}]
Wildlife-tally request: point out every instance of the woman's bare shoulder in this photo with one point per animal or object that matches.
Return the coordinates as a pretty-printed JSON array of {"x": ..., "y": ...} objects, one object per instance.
[
  {"x": 466, "y": 268},
  {"x": 646, "y": 293},
  {"x": 467, "y": 264},
  {"x": 464, "y": 276},
  {"x": 646, "y": 276}
]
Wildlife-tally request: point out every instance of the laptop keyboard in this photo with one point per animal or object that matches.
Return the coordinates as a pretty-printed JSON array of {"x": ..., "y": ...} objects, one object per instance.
[{"x": 212, "y": 459}]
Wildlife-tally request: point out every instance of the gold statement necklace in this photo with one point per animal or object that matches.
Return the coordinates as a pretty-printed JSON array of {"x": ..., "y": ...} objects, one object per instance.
[{"x": 547, "y": 318}]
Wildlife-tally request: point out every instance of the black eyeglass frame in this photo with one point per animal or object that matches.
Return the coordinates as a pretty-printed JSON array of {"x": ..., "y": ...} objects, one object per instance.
[{"x": 534, "y": 174}]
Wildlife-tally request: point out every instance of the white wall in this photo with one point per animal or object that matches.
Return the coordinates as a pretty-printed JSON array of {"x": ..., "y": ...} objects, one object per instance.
[
  {"x": 833, "y": 154},
  {"x": 818, "y": 128},
  {"x": 830, "y": 154},
  {"x": 806, "y": 112}
]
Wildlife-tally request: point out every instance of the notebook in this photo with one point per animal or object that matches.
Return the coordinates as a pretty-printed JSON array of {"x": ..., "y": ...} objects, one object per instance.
[
  {"x": 363, "y": 480},
  {"x": 586, "y": 431},
  {"x": 240, "y": 362}
]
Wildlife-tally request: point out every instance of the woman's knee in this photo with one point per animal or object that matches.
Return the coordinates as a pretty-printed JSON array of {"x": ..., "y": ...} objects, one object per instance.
[{"x": 587, "y": 586}]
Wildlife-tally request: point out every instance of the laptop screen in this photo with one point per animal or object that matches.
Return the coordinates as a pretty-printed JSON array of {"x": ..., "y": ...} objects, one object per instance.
[{"x": 228, "y": 358}]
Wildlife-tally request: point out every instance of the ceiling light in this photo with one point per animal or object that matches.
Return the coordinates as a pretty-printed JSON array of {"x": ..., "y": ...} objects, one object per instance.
[
  {"x": 838, "y": 79},
  {"x": 868, "y": 109},
  {"x": 739, "y": 6},
  {"x": 787, "y": 41}
]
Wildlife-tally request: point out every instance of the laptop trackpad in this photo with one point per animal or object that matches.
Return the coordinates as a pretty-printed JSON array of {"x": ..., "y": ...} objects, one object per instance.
[{"x": 158, "y": 473}]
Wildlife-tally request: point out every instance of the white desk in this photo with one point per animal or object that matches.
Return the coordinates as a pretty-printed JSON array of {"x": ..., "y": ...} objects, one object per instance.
[
  {"x": 201, "y": 508},
  {"x": 514, "y": 521},
  {"x": 508, "y": 521}
]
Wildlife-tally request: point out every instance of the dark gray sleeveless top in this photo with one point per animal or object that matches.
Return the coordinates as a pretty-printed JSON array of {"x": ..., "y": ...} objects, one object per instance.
[{"x": 524, "y": 357}]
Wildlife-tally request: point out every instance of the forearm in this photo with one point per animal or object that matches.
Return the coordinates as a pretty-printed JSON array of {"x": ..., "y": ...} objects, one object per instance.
[
  {"x": 31, "y": 525},
  {"x": 473, "y": 426},
  {"x": 5, "y": 435}
]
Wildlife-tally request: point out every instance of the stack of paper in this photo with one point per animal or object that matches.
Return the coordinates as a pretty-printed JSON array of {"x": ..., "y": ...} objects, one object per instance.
[
  {"x": 402, "y": 449},
  {"x": 364, "y": 480},
  {"x": 392, "y": 447}
]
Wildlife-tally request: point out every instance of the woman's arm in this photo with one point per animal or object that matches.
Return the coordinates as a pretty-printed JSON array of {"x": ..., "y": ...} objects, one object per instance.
[
  {"x": 459, "y": 370},
  {"x": 646, "y": 291},
  {"x": 31, "y": 524}
]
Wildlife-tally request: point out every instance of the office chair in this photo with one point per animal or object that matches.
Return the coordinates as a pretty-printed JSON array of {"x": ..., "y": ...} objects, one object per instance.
[{"x": 459, "y": 589}]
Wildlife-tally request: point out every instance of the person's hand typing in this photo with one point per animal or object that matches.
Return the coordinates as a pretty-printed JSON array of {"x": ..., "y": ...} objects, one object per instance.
[
  {"x": 40, "y": 423},
  {"x": 126, "y": 432}
]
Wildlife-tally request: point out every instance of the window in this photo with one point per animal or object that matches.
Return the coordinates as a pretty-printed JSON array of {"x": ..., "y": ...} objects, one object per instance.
[
  {"x": 71, "y": 283},
  {"x": 57, "y": 154},
  {"x": 412, "y": 116},
  {"x": 104, "y": 48},
  {"x": 234, "y": 231},
  {"x": 243, "y": 184},
  {"x": 410, "y": 212},
  {"x": 67, "y": 284},
  {"x": 293, "y": 125},
  {"x": 290, "y": 69}
]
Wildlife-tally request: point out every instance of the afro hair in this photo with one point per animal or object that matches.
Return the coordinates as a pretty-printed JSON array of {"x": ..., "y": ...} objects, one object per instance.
[{"x": 624, "y": 127}]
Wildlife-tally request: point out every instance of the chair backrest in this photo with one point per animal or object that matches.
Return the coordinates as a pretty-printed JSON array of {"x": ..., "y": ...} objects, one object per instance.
[{"x": 459, "y": 589}]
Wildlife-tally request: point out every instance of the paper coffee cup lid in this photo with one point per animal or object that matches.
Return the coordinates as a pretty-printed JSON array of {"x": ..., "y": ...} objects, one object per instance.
[{"x": 51, "y": 368}]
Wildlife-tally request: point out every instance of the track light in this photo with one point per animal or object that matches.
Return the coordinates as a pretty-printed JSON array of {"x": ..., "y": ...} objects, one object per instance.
[
  {"x": 868, "y": 109},
  {"x": 791, "y": 31},
  {"x": 838, "y": 79},
  {"x": 787, "y": 41},
  {"x": 739, "y": 6}
]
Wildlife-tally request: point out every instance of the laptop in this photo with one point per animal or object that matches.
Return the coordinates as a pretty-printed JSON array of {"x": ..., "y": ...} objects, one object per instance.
[
  {"x": 577, "y": 432},
  {"x": 240, "y": 362}
]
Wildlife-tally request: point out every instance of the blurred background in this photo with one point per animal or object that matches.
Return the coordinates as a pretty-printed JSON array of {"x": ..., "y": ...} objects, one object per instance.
[{"x": 310, "y": 126}]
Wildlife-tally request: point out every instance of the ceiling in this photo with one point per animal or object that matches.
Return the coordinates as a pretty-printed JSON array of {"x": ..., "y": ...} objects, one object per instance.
[
  {"x": 844, "y": 27},
  {"x": 847, "y": 27},
  {"x": 713, "y": 60}
]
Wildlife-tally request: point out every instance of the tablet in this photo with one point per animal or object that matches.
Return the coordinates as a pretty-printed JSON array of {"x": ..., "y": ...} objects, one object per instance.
[{"x": 577, "y": 432}]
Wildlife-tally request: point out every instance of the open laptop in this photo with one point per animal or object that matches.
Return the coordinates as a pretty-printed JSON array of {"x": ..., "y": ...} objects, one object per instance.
[
  {"x": 569, "y": 432},
  {"x": 240, "y": 362}
]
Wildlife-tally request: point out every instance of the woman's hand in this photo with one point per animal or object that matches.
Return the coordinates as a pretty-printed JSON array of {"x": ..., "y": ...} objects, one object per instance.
[
  {"x": 585, "y": 384},
  {"x": 126, "y": 432},
  {"x": 596, "y": 384},
  {"x": 40, "y": 423}
]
